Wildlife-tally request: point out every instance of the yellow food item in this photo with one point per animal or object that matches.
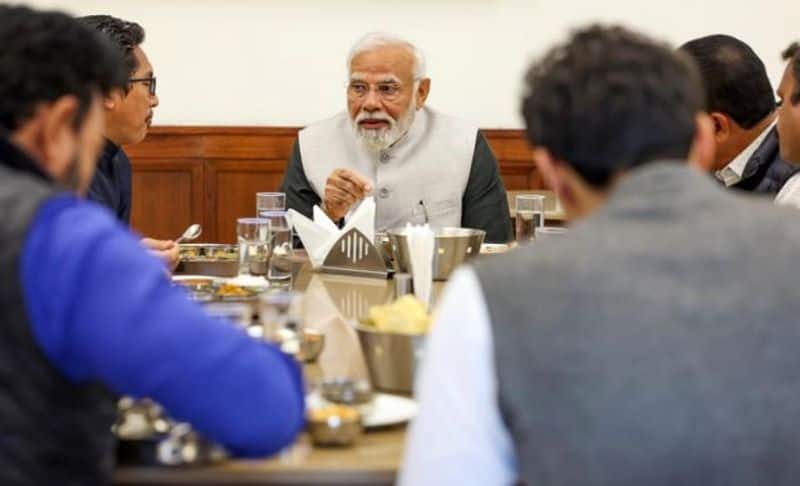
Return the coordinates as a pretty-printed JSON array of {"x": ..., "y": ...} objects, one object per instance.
[
  {"x": 342, "y": 411},
  {"x": 230, "y": 290},
  {"x": 406, "y": 315}
]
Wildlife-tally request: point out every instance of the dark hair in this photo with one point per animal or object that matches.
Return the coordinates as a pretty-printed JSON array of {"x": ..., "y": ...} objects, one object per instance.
[
  {"x": 734, "y": 77},
  {"x": 124, "y": 35},
  {"x": 792, "y": 54},
  {"x": 47, "y": 55},
  {"x": 610, "y": 99}
]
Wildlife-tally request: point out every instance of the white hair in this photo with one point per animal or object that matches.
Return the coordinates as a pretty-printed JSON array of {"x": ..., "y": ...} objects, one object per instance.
[{"x": 375, "y": 40}]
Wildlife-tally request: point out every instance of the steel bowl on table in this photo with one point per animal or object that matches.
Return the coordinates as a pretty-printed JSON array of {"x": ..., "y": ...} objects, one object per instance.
[
  {"x": 452, "y": 247},
  {"x": 219, "y": 260},
  {"x": 334, "y": 425},
  {"x": 392, "y": 358}
]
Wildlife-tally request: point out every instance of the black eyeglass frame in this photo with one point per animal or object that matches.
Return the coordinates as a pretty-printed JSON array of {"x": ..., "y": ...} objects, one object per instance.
[{"x": 151, "y": 83}]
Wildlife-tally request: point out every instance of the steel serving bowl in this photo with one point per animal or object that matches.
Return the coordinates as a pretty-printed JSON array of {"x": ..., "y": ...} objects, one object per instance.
[
  {"x": 346, "y": 391},
  {"x": 335, "y": 429},
  {"x": 392, "y": 358},
  {"x": 218, "y": 260},
  {"x": 452, "y": 247}
]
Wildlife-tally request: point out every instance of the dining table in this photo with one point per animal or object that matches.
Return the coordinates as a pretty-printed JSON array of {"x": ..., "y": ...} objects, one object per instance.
[{"x": 332, "y": 304}]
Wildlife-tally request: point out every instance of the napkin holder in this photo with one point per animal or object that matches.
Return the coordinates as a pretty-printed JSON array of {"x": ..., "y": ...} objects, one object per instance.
[{"x": 355, "y": 255}]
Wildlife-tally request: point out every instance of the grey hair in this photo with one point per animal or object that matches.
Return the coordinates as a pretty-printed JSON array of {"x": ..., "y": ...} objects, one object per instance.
[{"x": 374, "y": 40}]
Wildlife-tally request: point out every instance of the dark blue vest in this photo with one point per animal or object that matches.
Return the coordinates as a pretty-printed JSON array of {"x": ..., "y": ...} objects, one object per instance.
[
  {"x": 766, "y": 172},
  {"x": 52, "y": 431}
]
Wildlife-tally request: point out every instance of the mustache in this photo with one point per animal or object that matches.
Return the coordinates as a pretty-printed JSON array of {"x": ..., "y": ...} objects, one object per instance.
[{"x": 377, "y": 116}]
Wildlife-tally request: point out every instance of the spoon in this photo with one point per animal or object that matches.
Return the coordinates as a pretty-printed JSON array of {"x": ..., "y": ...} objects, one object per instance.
[{"x": 191, "y": 233}]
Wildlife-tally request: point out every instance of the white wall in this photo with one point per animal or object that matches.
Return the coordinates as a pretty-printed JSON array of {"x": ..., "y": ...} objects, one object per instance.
[{"x": 281, "y": 62}]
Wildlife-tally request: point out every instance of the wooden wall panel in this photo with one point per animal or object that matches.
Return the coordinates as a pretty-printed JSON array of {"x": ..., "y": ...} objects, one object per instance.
[
  {"x": 167, "y": 197},
  {"x": 231, "y": 187},
  {"x": 210, "y": 175}
]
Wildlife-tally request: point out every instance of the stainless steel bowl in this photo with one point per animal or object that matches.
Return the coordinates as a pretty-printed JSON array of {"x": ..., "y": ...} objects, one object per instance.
[
  {"x": 452, "y": 247},
  {"x": 346, "y": 391},
  {"x": 336, "y": 429},
  {"x": 218, "y": 260},
  {"x": 392, "y": 359}
]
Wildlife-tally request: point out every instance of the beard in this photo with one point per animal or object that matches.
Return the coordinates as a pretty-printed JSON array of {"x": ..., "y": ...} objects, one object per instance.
[{"x": 379, "y": 139}]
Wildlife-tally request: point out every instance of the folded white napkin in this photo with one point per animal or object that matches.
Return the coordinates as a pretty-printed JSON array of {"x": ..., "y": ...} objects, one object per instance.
[
  {"x": 319, "y": 236},
  {"x": 421, "y": 242}
]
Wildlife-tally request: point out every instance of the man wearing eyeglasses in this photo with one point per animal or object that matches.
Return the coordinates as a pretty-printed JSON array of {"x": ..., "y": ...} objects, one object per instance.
[
  {"x": 129, "y": 114},
  {"x": 421, "y": 165}
]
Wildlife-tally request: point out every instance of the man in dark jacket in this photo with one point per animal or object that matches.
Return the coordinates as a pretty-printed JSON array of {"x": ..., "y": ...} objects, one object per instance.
[
  {"x": 741, "y": 104},
  {"x": 85, "y": 312},
  {"x": 129, "y": 113}
]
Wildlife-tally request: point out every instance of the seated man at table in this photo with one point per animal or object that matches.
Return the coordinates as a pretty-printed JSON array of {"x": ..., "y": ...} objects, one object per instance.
[
  {"x": 789, "y": 110},
  {"x": 86, "y": 313},
  {"x": 419, "y": 164},
  {"x": 128, "y": 115},
  {"x": 741, "y": 104},
  {"x": 631, "y": 350}
]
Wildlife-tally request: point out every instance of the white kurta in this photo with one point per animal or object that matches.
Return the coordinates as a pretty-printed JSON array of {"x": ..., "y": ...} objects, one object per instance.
[{"x": 430, "y": 164}]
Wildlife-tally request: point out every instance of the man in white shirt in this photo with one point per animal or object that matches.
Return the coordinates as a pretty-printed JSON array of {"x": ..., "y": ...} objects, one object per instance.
[
  {"x": 741, "y": 104},
  {"x": 630, "y": 351}
]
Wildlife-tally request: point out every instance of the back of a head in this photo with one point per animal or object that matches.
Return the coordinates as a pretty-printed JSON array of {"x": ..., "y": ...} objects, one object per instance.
[
  {"x": 610, "y": 99},
  {"x": 734, "y": 77},
  {"x": 124, "y": 35},
  {"x": 48, "y": 55}
]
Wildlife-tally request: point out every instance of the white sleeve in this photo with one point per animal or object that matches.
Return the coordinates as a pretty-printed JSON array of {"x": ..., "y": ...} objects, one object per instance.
[
  {"x": 458, "y": 436},
  {"x": 789, "y": 195}
]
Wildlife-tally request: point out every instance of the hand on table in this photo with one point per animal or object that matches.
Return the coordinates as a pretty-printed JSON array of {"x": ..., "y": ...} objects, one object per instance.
[
  {"x": 343, "y": 189},
  {"x": 166, "y": 250}
]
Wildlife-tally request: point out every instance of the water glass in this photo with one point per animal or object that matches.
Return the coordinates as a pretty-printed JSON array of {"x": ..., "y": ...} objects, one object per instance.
[
  {"x": 529, "y": 216},
  {"x": 270, "y": 201},
  {"x": 253, "y": 235},
  {"x": 280, "y": 264},
  {"x": 282, "y": 315}
]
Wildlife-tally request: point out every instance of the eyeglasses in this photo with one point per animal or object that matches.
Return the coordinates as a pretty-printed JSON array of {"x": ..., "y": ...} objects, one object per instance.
[
  {"x": 388, "y": 91},
  {"x": 150, "y": 82}
]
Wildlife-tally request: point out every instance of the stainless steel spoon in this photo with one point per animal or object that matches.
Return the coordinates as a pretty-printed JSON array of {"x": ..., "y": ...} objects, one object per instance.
[{"x": 191, "y": 233}]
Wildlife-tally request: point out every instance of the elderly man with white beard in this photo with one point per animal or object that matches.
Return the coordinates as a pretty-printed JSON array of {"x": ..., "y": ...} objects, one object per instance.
[{"x": 419, "y": 164}]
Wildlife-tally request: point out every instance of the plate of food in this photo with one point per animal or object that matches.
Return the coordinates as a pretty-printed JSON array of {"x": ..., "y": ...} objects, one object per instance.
[
  {"x": 383, "y": 410},
  {"x": 230, "y": 291}
]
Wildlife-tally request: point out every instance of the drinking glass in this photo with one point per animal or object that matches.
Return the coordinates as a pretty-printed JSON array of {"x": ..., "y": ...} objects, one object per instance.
[
  {"x": 253, "y": 235},
  {"x": 530, "y": 215},
  {"x": 280, "y": 264},
  {"x": 282, "y": 315},
  {"x": 270, "y": 201}
]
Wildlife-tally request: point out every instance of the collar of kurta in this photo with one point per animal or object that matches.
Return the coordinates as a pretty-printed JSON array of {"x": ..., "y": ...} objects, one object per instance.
[{"x": 13, "y": 156}]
